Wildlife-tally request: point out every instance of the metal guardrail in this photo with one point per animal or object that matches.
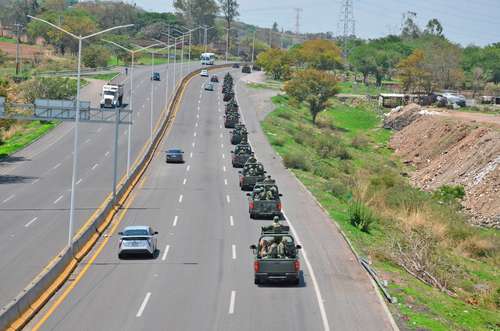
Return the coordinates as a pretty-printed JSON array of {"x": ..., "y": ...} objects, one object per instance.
[{"x": 83, "y": 72}]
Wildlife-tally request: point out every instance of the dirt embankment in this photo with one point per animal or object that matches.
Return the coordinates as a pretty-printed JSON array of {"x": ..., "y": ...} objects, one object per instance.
[{"x": 448, "y": 149}]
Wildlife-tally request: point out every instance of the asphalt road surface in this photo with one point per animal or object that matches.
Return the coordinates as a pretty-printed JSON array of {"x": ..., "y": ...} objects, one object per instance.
[
  {"x": 35, "y": 182},
  {"x": 202, "y": 276}
]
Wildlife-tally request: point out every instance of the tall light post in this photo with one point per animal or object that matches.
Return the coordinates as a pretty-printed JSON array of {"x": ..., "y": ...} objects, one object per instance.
[
  {"x": 77, "y": 116},
  {"x": 129, "y": 132},
  {"x": 253, "y": 46},
  {"x": 206, "y": 28},
  {"x": 227, "y": 42}
]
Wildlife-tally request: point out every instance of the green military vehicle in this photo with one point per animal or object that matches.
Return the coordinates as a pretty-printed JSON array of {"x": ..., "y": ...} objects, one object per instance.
[
  {"x": 276, "y": 255},
  {"x": 232, "y": 105},
  {"x": 239, "y": 134},
  {"x": 231, "y": 119},
  {"x": 242, "y": 152},
  {"x": 252, "y": 173},
  {"x": 264, "y": 201}
]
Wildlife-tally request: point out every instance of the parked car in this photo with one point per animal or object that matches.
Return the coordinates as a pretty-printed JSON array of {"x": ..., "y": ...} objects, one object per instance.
[
  {"x": 451, "y": 98},
  {"x": 155, "y": 76},
  {"x": 137, "y": 240},
  {"x": 174, "y": 155},
  {"x": 204, "y": 73}
]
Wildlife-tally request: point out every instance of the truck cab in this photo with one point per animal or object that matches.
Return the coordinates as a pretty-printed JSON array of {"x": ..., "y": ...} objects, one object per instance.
[
  {"x": 112, "y": 96},
  {"x": 276, "y": 256}
]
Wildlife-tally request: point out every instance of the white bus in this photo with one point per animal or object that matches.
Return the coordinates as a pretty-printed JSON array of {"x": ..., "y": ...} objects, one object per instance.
[{"x": 207, "y": 58}]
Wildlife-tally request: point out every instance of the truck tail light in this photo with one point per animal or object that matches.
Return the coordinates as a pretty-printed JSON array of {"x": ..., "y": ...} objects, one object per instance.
[
  {"x": 241, "y": 179},
  {"x": 251, "y": 204},
  {"x": 256, "y": 266},
  {"x": 278, "y": 205},
  {"x": 296, "y": 264}
]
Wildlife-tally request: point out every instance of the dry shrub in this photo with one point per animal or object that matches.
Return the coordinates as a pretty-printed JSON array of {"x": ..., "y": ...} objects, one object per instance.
[
  {"x": 360, "y": 141},
  {"x": 324, "y": 122},
  {"x": 478, "y": 247},
  {"x": 7, "y": 133},
  {"x": 296, "y": 160}
]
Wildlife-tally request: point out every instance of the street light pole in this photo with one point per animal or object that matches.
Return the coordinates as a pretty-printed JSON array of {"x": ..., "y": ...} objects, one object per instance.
[
  {"x": 253, "y": 46},
  {"x": 77, "y": 118}
]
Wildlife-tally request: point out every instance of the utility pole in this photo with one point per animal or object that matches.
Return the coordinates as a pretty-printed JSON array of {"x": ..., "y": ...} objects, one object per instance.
[
  {"x": 18, "y": 31},
  {"x": 253, "y": 46},
  {"x": 347, "y": 23},
  {"x": 297, "y": 21}
]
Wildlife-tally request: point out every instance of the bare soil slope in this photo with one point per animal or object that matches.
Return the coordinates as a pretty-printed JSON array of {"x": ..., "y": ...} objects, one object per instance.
[{"x": 448, "y": 149}]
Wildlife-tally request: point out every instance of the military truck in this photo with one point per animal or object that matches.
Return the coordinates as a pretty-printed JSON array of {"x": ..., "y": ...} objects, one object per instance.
[
  {"x": 264, "y": 200},
  {"x": 239, "y": 134},
  {"x": 241, "y": 154},
  {"x": 228, "y": 95},
  {"x": 232, "y": 105},
  {"x": 246, "y": 69},
  {"x": 252, "y": 173},
  {"x": 276, "y": 255},
  {"x": 231, "y": 120}
]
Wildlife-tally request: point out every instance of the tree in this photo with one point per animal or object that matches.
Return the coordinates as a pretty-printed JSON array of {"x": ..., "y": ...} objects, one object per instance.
[
  {"x": 410, "y": 29},
  {"x": 198, "y": 12},
  {"x": 362, "y": 58},
  {"x": 48, "y": 88},
  {"x": 58, "y": 5},
  {"x": 276, "y": 62},
  {"x": 111, "y": 13},
  {"x": 443, "y": 63},
  {"x": 478, "y": 80},
  {"x": 95, "y": 56},
  {"x": 434, "y": 28},
  {"x": 320, "y": 54},
  {"x": 413, "y": 74},
  {"x": 229, "y": 9},
  {"x": 314, "y": 87}
]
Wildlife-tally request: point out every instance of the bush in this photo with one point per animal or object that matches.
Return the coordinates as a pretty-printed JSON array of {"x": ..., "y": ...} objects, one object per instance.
[
  {"x": 336, "y": 188},
  {"x": 48, "y": 88},
  {"x": 324, "y": 170},
  {"x": 285, "y": 114},
  {"x": 449, "y": 193},
  {"x": 296, "y": 160},
  {"x": 360, "y": 216},
  {"x": 329, "y": 146},
  {"x": 278, "y": 141},
  {"x": 95, "y": 56}
]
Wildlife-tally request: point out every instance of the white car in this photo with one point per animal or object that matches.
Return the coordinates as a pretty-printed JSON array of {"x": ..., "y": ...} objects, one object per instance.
[
  {"x": 137, "y": 240},
  {"x": 204, "y": 73}
]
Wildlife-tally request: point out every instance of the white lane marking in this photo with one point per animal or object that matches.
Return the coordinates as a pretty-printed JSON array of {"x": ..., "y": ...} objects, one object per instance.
[
  {"x": 10, "y": 197},
  {"x": 35, "y": 181},
  {"x": 164, "y": 256},
  {"x": 196, "y": 125},
  {"x": 125, "y": 132},
  {"x": 224, "y": 168},
  {"x": 193, "y": 144},
  {"x": 56, "y": 166},
  {"x": 231, "y": 302},
  {"x": 220, "y": 126},
  {"x": 30, "y": 222},
  {"x": 225, "y": 181},
  {"x": 180, "y": 198},
  {"x": 176, "y": 218},
  {"x": 99, "y": 129},
  {"x": 87, "y": 141},
  {"x": 228, "y": 199},
  {"x": 188, "y": 167},
  {"x": 223, "y": 156},
  {"x": 106, "y": 154},
  {"x": 184, "y": 181},
  {"x": 221, "y": 145},
  {"x": 234, "y": 252},
  {"x": 191, "y": 154},
  {"x": 58, "y": 199},
  {"x": 319, "y": 297},
  {"x": 197, "y": 116},
  {"x": 194, "y": 135},
  {"x": 78, "y": 181},
  {"x": 143, "y": 305},
  {"x": 95, "y": 166},
  {"x": 231, "y": 220},
  {"x": 221, "y": 135}
]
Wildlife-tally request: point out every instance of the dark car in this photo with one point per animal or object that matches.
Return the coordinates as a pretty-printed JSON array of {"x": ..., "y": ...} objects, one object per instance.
[
  {"x": 214, "y": 79},
  {"x": 255, "y": 67},
  {"x": 236, "y": 65},
  {"x": 246, "y": 69},
  {"x": 174, "y": 156},
  {"x": 155, "y": 76}
]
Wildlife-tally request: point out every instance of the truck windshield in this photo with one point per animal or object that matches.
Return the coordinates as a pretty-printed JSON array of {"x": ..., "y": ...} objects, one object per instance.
[{"x": 109, "y": 93}]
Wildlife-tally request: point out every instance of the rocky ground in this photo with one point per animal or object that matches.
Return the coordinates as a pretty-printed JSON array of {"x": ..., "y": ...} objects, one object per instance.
[{"x": 452, "y": 148}]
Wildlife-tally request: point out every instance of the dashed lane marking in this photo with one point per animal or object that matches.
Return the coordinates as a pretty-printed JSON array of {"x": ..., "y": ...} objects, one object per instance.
[
  {"x": 58, "y": 199},
  {"x": 232, "y": 302},
  {"x": 228, "y": 199},
  {"x": 143, "y": 305},
  {"x": 164, "y": 256},
  {"x": 10, "y": 197},
  {"x": 225, "y": 181},
  {"x": 231, "y": 220},
  {"x": 180, "y": 198},
  {"x": 176, "y": 218},
  {"x": 95, "y": 166},
  {"x": 78, "y": 181},
  {"x": 30, "y": 222},
  {"x": 234, "y": 252}
]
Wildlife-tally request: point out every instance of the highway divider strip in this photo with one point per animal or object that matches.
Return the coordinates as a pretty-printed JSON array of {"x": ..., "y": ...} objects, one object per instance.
[{"x": 16, "y": 314}]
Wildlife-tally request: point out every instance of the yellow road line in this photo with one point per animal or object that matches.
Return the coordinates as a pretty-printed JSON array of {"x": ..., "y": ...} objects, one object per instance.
[{"x": 80, "y": 275}]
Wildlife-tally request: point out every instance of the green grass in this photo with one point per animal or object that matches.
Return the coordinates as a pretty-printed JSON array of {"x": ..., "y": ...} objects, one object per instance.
[
  {"x": 359, "y": 88},
  {"x": 105, "y": 77},
  {"x": 334, "y": 181},
  {"x": 31, "y": 132},
  {"x": 268, "y": 84},
  {"x": 8, "y": 40}
]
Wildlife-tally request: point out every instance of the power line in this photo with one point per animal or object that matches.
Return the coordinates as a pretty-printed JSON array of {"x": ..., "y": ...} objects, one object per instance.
[
  {"x": 297, "y": 20},
  {"x": 347, "y": 22}
]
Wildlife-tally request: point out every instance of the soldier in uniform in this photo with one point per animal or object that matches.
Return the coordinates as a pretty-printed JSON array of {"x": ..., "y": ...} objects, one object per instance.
[{"x": 269, "y": 194}]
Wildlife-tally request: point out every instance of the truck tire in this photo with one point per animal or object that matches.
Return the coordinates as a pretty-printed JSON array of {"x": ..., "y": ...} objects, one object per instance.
[
  {"x": 296, "y": 281},
  {"x": 252, "y": 216},
  {"x": 257, "y": 281}
]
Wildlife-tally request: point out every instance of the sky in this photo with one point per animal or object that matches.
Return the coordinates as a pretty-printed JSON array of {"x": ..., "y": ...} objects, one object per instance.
[{"x": 464, "y": 21}]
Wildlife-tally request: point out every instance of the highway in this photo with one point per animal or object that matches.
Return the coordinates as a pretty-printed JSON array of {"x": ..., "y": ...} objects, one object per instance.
[
  {"x": 202, "y": 278},
  {"x": 35, "y": 182}
]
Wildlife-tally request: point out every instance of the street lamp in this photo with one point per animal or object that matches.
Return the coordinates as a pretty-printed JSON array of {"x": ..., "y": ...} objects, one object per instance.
[
  {"x": 253, "y": 46},
  {"x": 206, "y": 28},
  {"x": 227, "y": 41},
  {"x": 77, "y": 116}
]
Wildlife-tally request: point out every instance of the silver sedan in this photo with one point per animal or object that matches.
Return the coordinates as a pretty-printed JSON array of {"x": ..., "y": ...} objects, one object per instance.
[{"x": 137, "y": 240}]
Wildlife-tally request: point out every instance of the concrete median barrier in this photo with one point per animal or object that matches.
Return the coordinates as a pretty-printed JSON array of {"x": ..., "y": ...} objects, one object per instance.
[{"x": 17, "y": 313}]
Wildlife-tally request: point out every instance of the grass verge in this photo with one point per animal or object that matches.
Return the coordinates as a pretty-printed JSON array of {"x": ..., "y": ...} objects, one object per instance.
[
  {"x": 106, "y": 77},
  {"x": 25, "y": 136},
  {"x": 443, "y": 272}
]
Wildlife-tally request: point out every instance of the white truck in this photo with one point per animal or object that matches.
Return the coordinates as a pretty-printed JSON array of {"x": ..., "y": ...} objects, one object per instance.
[
  {"x": 207, "y": 58},
  {"x": 112, "y": 96}
]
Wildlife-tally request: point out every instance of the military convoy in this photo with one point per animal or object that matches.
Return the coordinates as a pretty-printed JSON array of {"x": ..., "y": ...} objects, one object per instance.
[
  {"x": 276, "y": 256},
  {"x": 252, "y": 173}
]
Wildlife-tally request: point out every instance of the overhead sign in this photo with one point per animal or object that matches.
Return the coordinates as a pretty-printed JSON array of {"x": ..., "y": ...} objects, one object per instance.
[{"x": 61, "y": 109}]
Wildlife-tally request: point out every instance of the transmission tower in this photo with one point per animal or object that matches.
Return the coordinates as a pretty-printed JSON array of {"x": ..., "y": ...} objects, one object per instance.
[
  {"x": 347, "y": 22},
  {"x": 297, "y": 20}
]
